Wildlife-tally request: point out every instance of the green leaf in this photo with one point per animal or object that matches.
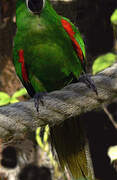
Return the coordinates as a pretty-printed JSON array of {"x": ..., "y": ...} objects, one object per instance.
[
  {"x": 102, "y": 62},
  {"x": 113, "y": 17},
  {"x": 19, "y": 93},
  {"x": 13, "y": 100},
  {"x": 4, "y": 99}
]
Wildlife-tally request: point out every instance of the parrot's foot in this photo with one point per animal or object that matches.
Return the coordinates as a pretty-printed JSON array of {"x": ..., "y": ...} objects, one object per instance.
[
  {"x": 88, "y": 81},
  {"x": 38, "y": 98}
]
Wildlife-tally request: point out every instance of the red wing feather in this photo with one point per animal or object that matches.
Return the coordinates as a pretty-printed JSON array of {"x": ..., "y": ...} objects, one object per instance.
[
  {"x": 68, "y": 28},
  {"x": 21, "y": 60}
]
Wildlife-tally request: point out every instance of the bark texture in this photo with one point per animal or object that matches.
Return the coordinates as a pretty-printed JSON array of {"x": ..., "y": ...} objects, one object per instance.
[{"x": 73, "y": 100}]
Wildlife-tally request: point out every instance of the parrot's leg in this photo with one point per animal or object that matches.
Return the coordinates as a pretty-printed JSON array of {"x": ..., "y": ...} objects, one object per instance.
[
  {"x": 38, "y": 98},
  {"x": 85, "y": 78}
]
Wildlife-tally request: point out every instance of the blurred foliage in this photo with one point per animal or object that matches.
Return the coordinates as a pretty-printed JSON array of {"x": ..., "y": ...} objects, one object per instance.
[
  {"x": 113, "y": 17},
  {"x": 45, "y": 146},
  {"x": 17, "y": 94},
  {"x": 113, "y": 20},
  {"x": 106, "y": 60},
  {"x": 112, "y": 153},
  {"x": 6, "y": 99},
  {"x": 102, "y": 62}
]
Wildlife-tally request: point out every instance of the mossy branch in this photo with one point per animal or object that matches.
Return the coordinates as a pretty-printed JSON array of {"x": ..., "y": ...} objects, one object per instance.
[{"x": 73, "y": 100}]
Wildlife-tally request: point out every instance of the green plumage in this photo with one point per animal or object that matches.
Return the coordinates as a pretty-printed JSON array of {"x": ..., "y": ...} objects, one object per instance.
[
  {"x": 51, "y": 62},
  {"x": 48, "y": 51}
]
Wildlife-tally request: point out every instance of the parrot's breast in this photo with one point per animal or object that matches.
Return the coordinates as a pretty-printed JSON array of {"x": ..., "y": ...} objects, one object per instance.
[{"x": 48, "y": 55}]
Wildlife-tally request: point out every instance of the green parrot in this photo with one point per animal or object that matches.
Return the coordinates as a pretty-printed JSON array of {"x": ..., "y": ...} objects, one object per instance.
[{"x": 49, "y": 53}]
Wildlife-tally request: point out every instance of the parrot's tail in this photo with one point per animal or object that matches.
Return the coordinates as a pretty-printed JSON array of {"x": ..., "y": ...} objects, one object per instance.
[{"x": 69, "y": 143}]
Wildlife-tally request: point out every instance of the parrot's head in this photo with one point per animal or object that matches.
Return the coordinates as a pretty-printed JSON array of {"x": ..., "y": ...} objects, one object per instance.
[{"x": 31, "y": 11}]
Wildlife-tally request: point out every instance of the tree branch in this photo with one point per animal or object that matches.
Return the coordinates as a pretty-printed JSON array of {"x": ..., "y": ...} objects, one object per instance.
[{"x": 73, "y": 100}]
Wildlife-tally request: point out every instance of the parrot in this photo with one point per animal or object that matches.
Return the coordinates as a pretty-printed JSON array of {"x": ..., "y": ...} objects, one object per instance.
[{"x": 48, "y": 54}]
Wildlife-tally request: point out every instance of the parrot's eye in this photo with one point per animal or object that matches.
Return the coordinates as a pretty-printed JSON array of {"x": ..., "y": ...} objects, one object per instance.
[{"x": 35, "y": 6}]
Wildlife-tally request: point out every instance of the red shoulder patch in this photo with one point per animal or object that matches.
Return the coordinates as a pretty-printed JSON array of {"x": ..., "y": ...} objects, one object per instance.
[
  {"x": 21, "y": 60},
  {"x": 67, "y": 26}
]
